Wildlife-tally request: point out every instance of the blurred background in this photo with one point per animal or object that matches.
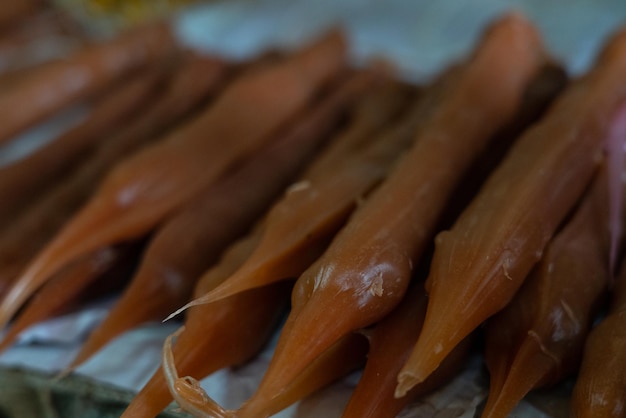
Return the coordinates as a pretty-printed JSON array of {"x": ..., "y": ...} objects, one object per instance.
[{"x": 420, "y": 36}]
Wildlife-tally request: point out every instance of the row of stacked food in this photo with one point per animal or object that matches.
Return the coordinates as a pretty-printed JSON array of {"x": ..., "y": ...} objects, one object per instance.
[{"x": 293, "y": 182}]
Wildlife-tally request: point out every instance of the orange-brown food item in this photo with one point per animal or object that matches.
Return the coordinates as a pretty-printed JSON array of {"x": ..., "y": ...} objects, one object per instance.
[
  {"x": 222, "y": 334},
  {"x": 142, "y": 191},
  {"x": 345, "y": 356},
  {"x": 312, "y": 210},
  {"x": 601, "y": 383},
  {"x": 26, "y": 178},
  {"x": 94, "y": 276},
  {"x": 482, "y": 261},
  {"x": 193, "y": 239},
  {"x": 192, "y": 84},
  {"x": 391, "y": 342},
  {"x": 538, "y": 339},
  {"x": 366, "y": 270},
  {"x": 375, "y": 111},
  {"x": 57, "y": 84}
]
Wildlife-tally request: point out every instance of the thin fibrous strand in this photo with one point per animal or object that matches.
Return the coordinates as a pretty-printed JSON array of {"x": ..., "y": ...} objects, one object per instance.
[
  {"x": 226, "y": 333},
  {"x": 186, "y": 391},
  {"x": 192, "y": 345},
  {"x": 482, "y": 261},
  {"x": 343, "y": 357}
]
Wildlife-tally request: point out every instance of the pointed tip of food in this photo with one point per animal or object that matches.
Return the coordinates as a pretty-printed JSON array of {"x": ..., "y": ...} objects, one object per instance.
[
  {"x": 414, "y": 373},
  {"x": 324, "y": 56},
  {"x": 335, "y": 35},
  {"x": 85, "y": 353},
  {"x": 500, "y": 403},
  {"x": 519, "y": 20},
  {"x": 5, "y": 344},
  {"x": 175, "y": 313},
  {"x": 96, "y": 341},
  {"x": 99, "y": 338},
  {"x": 195, "y": 302},
  {"x": 516, "y": 16},
  {"x": 333, "y": 38},
  {"x": 304, "y": 337},
  {"x": 122, "y": 318},
  {"x": 431, "y": 349},
  {"x": 64, "y": 373},
  {"x": 406, "y": 382},
  {"x": 509, "y": 17},
  {"x": 529, "y": 369},
  {"x": 496, "y": 383},
  {"x": 25, "y": 285},
  {"x": 12, "y": 333},
  {"x": 520, "y": 30},
  {"x": 215, "y": 295}
]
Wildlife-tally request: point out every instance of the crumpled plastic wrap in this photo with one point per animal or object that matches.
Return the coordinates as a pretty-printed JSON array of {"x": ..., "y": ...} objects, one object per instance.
[{"x": 420, "y": 37}]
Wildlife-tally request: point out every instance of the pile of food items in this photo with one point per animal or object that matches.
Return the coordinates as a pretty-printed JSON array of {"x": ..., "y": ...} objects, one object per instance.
[{"x": 395, "y": 224}]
